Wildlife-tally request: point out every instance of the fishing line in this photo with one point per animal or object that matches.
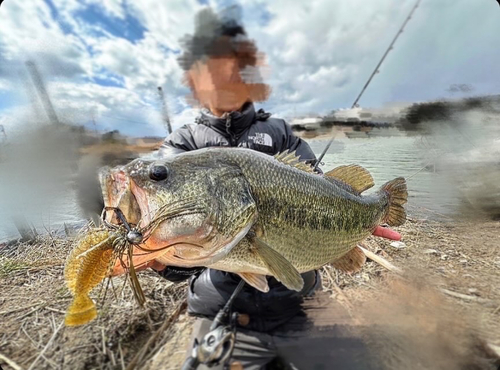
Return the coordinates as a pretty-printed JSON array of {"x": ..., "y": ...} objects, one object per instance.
[
  {"x": 443, "y": 152},
  {"x": 420, "y": 170},
  {"x": 375, "y": 71}
]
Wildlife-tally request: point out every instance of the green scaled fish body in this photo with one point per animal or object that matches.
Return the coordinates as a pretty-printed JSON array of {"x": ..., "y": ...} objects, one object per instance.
[
  {"x": 277, "y": 216},
  {"x": 309, "y": 219}
]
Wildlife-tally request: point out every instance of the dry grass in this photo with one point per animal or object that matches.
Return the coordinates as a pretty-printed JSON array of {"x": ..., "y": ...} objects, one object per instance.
[
  {"x": 462, "y": 258},
  {"x": 443, "y": 312},
  {"x": 34, "y": 298}
]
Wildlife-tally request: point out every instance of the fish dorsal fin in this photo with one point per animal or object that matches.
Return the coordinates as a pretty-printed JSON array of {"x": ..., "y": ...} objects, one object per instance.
[
  {"x": 353, "y": 175},
  {"x": 293, "y": 160}
]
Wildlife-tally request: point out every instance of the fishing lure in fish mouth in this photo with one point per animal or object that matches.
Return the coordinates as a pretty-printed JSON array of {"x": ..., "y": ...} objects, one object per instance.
[
  {"x": 86, "y": 266},
  {"x": 92, "y": 260},
  {"x": 95, "y": 255}
]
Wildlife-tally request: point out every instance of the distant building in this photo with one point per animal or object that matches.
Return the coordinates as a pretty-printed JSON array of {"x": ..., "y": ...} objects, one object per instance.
[{"x": 307, "y": 123}]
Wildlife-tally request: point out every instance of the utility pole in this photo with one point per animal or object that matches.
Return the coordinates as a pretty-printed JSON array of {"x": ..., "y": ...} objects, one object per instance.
[
  {"x": 42, "y": 92},
  {"x": 164, "y": 111},
  {"x": 2, "y": 130},
  {"x": 95, "y": 125}
]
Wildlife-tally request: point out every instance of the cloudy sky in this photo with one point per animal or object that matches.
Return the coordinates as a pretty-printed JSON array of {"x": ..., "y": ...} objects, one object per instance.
[{"x": 102, "y": 60}]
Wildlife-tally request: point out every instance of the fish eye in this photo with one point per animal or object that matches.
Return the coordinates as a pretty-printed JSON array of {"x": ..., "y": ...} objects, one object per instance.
[{"x": 158, "y": 172}]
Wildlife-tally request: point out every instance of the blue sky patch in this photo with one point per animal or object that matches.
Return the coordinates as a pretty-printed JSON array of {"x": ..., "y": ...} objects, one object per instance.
[
  {"x": 53, "y": 10},
  {"x": 65, "y": 27},
  {"x": 264, "y": 16},
  {"x": 7, "y": 100},
  {"x": 165, "y": 49},
  {"x": 129, "y": 28},
  {"x": 107, "y": 79}
]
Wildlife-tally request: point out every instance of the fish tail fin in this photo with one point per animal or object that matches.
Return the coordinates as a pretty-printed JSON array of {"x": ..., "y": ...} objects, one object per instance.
[
  {"x": 81, "y": 311},
  {"x": 397, "y": 193}
]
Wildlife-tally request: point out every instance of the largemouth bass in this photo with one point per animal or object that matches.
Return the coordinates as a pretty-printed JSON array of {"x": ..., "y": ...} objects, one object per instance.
[{"x": 249, "y": 213}]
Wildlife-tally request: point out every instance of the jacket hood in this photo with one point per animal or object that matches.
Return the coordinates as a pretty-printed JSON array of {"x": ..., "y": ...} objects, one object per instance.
[{"x": 233, "y": 123}]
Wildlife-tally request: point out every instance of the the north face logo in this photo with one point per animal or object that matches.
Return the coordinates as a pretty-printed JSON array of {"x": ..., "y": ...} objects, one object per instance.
[{"x": 262, "y": 139}]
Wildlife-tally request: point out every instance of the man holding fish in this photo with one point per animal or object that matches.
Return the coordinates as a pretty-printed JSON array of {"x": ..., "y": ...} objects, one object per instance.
[{"x": 220, "y": 65}]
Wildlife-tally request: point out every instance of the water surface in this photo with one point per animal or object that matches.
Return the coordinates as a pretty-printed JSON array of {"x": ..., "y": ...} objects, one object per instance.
[{"x": 48, "y": 202}]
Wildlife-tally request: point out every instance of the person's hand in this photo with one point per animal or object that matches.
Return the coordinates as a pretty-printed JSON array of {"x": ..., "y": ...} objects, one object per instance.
[
  {"x": 155, "y": 265},
  {"x": 385, "y": 232}
]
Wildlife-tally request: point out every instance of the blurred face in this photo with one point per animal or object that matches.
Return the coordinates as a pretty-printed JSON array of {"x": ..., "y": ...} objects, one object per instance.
[{"x": 217, "y": 84}]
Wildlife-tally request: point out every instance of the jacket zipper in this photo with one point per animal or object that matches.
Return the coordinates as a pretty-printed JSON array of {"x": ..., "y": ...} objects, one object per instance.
[{"x": 228, "y": 130}]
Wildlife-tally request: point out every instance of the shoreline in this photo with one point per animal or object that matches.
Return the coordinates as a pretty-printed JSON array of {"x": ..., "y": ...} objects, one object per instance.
[{"x": 461, "y": 257}]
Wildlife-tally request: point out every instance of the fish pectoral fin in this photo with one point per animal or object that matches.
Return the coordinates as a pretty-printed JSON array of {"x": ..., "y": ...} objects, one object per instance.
[
  {"x": 352, "y": 261},
  {"x": 277, "y": 265},
  {"x": 259, "y": 282},
  {"x": 353, "y": 175}
]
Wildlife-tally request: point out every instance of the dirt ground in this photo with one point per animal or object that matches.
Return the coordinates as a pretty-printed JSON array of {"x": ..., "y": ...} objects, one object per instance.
[{"x": 450, "y": 290}]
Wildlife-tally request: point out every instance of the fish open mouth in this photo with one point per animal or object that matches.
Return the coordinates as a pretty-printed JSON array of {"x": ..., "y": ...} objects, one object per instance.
[
  {"x": 120, "y": 191},
  {"x": 185, "y": 246}
]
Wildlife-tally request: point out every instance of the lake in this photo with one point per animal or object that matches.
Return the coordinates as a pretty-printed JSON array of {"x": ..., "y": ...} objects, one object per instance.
[{"x": 48, "y": 203}]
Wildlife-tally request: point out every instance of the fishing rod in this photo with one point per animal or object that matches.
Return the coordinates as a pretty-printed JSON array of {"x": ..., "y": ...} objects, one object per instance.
[
  {"x": 216, "y": 347},
  {"x": 375, "y": 71}
]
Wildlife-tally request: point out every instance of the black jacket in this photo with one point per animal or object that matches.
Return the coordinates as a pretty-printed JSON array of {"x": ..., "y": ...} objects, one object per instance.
[
  {"x": 246, "y": 129},
  {"x": 210, "y": 290}
]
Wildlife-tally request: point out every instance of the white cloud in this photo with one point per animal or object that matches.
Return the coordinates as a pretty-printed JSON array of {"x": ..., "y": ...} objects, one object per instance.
[
  {"x": 114, "y": 8},
  {"x": 143, "y": 65},
  {"x": 320, "y": 53},
  {"x": 316, "y": 49},
  {"x": 65, "y": 61},
  {"x": 111, "y": 107},
  {"x": 187, "y": 116},
  {"x": 325, "y": 50},
  {"x": 5, "y": 84},
  {"x": 166, "y": 21},
  {"x": 28, "y": 32}
]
